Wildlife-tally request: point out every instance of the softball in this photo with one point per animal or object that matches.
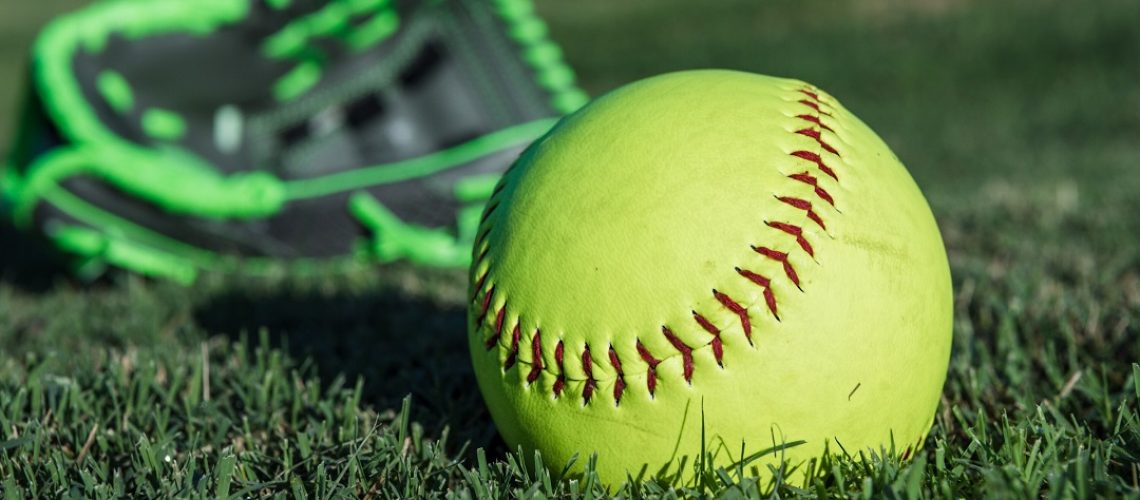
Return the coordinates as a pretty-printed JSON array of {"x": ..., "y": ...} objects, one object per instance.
[{"x": 709, "y": 268}]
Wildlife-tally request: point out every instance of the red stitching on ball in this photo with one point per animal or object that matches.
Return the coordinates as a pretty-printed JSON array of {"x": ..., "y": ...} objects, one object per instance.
[
  {"x": 588, "y": 369},
  {"x": 810, "y": 93},
  {"x": 651, "y": 374},
  {"x": 781, "y": 257},
  {"x": 479, "y": 284},
  {"x": 491, "y": 342},
  {"x": 561, "y": 381},
  {"x": 815, "y": 134},
  {"x": 479, "y": 242},
  {"x": 810, "y": 180},
  {"x": 684, "y": 349},
  {"x": 486, "y": 304},
  {"x": 487, "y": 212},
  {"x": 514, "y": 353},
  {"x": 741, "y": 312},
  {"x": 481, "y": 238},
  {"x": 804, "y": 205},
  {"x": 765, "y": 283},
  {"x": 815, "y": 119},
  {"x": 591, "y": 384},
  {"x": 536, "y": 357},
  {"x": 499, "y": 186},
  {"x": 796, "y": 231},
  {"x": 717, "y": 345},
  {"x": 815, "y": 158},
  {"x": 816, "y": 102},
  {"x": 814, "y": 106},
  {"x": 619, "y": 384}
]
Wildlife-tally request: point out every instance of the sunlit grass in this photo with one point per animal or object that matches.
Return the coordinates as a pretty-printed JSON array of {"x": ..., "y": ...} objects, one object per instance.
[{"x": 1018, "y": 119}]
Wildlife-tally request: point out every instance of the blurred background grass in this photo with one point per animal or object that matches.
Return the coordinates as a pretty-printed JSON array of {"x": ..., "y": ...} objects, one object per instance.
[
  {"x": 963, "y": 90},
  {"x": 1020, "y": 120}
]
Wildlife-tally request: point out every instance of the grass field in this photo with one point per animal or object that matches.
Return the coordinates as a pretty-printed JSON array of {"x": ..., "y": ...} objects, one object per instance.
[{"x": 1020, "y": 120}]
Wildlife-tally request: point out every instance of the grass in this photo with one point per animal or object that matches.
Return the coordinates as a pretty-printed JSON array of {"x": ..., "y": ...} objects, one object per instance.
[{"x": 1018, "y": 119}]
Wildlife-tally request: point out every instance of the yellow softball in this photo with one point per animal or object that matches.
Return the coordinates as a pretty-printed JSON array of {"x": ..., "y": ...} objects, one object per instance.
[{"x": 701, "y": 266}]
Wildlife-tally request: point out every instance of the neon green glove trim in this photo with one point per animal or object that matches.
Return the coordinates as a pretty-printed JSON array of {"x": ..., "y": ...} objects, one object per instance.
[
  {"x": 394, "y": 240},
  {"x": 297, "y": 81},
  {"x": 115, "y": 90},
  {"x": 163, "y": 124},
  {"x": 476, "y": 187},
  {"x": 544, "y": 56},
  {"x": 183, "y": 185},
  {"x": 287, "y": 42},
  {"x": 293, "y": 41},
  {"x": 100, "y": 249},
  {"x": 380, "y": 27},
  {"x": 420, "y": 166},
  {"x": 160, "y": 247},
  {"x": 330, "y": 19},
  {"x": 359, "y": 6},
  {"x": 126, "y": 230},
  {"x": 249, "y": 195},
  {"x": 90, "y": 29}
]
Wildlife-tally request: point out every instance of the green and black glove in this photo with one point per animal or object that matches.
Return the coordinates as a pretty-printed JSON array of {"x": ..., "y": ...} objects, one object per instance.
[{"x": 171, "y": 136}]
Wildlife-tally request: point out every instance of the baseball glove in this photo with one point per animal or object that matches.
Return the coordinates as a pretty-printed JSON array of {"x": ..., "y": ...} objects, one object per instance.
[{"x": 171, "y": 136}]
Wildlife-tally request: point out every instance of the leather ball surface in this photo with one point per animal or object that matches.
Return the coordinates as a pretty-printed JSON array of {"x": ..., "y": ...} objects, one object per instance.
[{"x": 709, "y": 260}]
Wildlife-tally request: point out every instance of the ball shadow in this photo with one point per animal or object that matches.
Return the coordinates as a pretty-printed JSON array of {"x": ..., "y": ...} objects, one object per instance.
[
  {"x": 29, "y": 262},
  {"x": 400, "y": 344}
]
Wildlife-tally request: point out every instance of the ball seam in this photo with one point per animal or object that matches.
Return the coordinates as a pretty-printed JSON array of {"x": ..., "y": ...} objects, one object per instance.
[{"x": 507, "y": 338}]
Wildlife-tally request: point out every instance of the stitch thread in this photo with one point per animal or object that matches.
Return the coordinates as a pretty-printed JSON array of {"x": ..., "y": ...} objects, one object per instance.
[
  {"x": 818, "y": 136},
  {"x": 811, "y": 94},
  {"x": 684, "y": 349},
  {"x": 588, "y": 369},
  {"x": 782, "y": 258},
  {"x": 814, "y": 106},
  {"x": 769, "y": 297},
  {"x": 808, "y": 179},
  {"x": 514, "y": 353},
  {"x": 815, "y": 119},
  {"x": 651, "y": 374},
  {"x": 560, "y": 382},
  {"x": 717, "y": 345},
  {"x": 804, "y": 205},
  {"x": 815, "y": 158},
  {"x": 487, "y": 212},
  {"x": 590, "y": 384},
  {"x": 741, "y": 312},
  {"x": 499, "y": 186},
  {"x": 498, "y": 328},
  {"x": 796, "y": 231},
  {"x": 619, "y": 384},
  {"x": 479, "y": 283},
  {"x": 486, "y": 302},
  {"x": 536, "y": 357},
  {"x": 481, "y": 238}
]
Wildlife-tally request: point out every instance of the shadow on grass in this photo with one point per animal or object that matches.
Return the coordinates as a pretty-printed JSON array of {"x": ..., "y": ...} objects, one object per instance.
[
  {"x": 29, "y": 262},
  {"x": 398, "y": 343}
]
